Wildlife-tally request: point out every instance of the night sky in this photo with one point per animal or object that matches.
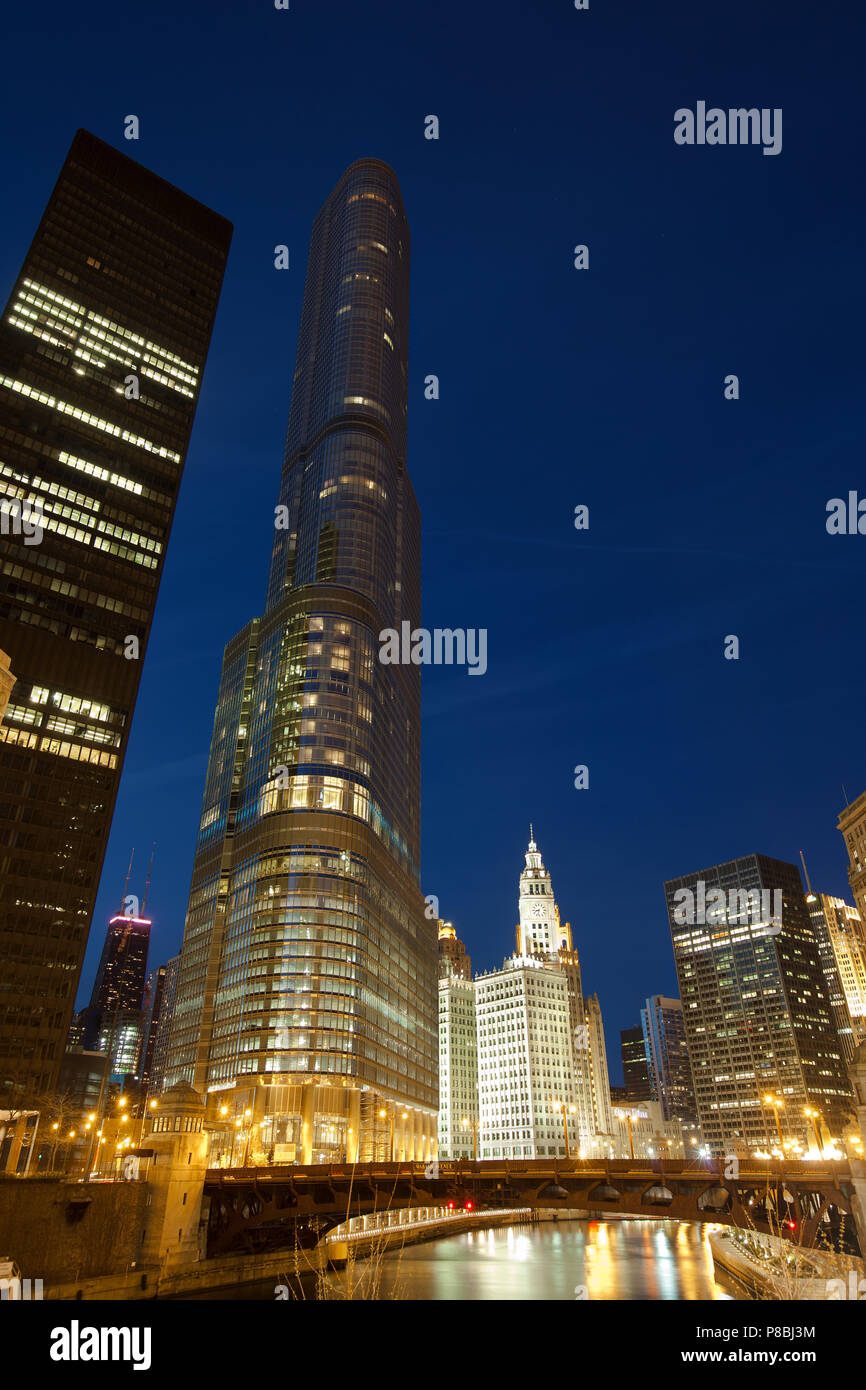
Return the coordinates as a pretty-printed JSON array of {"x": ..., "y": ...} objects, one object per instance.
[{"x": 558, "y": 387}]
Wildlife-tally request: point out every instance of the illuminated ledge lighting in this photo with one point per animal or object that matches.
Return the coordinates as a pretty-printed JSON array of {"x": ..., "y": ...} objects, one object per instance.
[{"x": 64, "y": 408}]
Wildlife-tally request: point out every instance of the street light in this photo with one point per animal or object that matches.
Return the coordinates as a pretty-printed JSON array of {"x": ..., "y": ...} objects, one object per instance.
[
  {"x": 566, "y": 1110},
  {"x": 815, "y": 1116},
  {"x": 464, "y": 1124},
  {"x": 777, "y": 1104}
]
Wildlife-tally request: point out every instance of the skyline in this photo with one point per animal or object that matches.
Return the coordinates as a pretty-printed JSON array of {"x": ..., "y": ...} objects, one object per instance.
[{"x": 667, "y": 309}]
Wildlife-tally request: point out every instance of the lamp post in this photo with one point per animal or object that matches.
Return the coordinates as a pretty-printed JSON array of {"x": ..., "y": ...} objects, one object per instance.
[
  {"x": 776, "y": 1104},
  {"x": 627, "y": 1116},
  {"x": 464, "y": 1124},
  {"x": 815, "y": 1116},
  {"x": 566, "y": 1109},
  {"x": 248, "y": 1115},
  {"x": 383, "y": 1114}
]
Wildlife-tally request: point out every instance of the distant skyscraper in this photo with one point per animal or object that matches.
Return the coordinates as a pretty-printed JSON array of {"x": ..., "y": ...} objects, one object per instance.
[
  {"x": 852, "y": 824},
  {"x": 307, "y": 984},
  {"x": 102, "y": 348},
  {"x": 114, "y": 1018},
  {"x": 755, "y": 1003},
  {"x": 635, "y": 1064},
  {"x": 453, "y": 959},
  {"x": 163, "y": 985},
  {"x": 667, "y": 1055}
]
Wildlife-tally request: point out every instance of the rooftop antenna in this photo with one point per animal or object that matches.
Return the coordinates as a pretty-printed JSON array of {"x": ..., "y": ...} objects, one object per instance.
[
  {"x": 126, "y": 885},
  {"x": 845, "y": 794},
  {"x": 806, "y": 872},
  {"x": 147, "y": 884}
]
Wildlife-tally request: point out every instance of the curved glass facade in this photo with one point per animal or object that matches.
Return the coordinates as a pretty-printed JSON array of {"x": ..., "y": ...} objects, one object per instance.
[{"x": 307, "y": 983}]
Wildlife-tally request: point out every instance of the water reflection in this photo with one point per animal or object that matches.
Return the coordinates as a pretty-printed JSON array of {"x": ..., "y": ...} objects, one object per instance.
[{"x": 613, "y": 1259}]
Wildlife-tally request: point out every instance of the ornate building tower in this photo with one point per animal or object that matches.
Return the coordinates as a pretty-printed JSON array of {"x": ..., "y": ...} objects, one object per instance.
[{"x": 307, "y": 983}]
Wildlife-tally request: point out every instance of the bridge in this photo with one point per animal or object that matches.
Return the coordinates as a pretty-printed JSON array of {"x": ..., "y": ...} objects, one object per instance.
[{"x": 258, "y": 1209}]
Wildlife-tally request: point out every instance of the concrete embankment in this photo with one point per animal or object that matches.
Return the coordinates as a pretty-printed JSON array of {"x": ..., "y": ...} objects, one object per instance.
[{"x": 774, "y": 1269}]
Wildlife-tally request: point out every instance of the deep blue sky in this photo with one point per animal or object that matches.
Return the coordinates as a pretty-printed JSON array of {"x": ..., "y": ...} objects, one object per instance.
[{"x": 558, "y": 387}]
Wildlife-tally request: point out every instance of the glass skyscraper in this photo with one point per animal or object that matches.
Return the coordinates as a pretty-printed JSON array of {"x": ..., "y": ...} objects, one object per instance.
[
  {"x": 102, "y": 348},
  {"x": 308, "y": 973}
]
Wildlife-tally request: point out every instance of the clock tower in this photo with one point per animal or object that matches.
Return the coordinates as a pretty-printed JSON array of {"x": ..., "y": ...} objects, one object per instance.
[{"x": 539, "y": 931}]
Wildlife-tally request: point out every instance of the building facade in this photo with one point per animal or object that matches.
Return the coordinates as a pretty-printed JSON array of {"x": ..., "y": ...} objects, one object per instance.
[
  {"x": 842, "y": 946},
  {"x": 458, "y": 1068},
  {"x": 307, "y": 981},
  {"x": 635, "y": 1064},
  {"x": 453, "y": 959},
  {"x": 7, "y": 681},
  {"x": 758, "y": 1020},
  {"x": 852, "y": 824},
  {"x": 670, "y": 1071},
  {"x": 102, "y": 348}
]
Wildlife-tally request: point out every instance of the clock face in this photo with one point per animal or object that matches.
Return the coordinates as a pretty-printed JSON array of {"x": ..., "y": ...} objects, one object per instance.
[{"x": 537, "y": 910}]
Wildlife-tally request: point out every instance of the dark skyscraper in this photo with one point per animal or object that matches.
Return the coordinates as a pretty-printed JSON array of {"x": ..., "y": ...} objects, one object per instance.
[
  {"x": 308, "y": 972},
  {"x": 635, "y": 1066},
  {"x": 758, "y": 1020},
  {"x": 102, "y": 348}
]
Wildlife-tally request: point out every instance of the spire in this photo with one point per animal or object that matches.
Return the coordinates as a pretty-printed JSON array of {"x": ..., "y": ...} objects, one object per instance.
[{"x": 531, "y": 837}]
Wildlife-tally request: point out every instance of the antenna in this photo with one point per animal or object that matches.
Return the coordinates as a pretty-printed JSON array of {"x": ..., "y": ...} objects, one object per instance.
[
  {"x": 126, "y": 885},
  {"x": 806, "y": 872},
  {"x": 845, "y": 794},
  {"x": 147, "y": 884}
]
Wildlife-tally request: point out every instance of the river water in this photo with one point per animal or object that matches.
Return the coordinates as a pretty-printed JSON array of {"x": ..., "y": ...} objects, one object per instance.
[{"x": 558, "y": 1261}]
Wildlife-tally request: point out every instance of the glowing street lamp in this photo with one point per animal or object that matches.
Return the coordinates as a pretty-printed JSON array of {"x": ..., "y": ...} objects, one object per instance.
[
  {"x": 815, "y": 1116},
  {"x": 776, "y": 1104},
  {"x": 558, "y": 1106},
  {"x": 464, "y": 1124}
]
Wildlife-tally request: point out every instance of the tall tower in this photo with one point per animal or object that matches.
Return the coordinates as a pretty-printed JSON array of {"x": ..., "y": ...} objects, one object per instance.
[
  {"x": 102, "y": 349},
  {"x": 538, "y": 932},
  {"x": 307, "y": 980}
]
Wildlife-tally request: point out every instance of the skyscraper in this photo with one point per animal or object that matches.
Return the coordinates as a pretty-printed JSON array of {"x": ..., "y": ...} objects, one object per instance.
[
  {"x": 758, "y": 1021},
  {"x": 102, "y": 348},
  {"x": 670, "y": 1073},
  {"x": 160, "y": 1029},
  {"x": 307, "y": 982},
  {"x": 635, "y": 1064},
  {"x": 538, "y": 1056},
  {"x": 114, "y": 1020}
]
